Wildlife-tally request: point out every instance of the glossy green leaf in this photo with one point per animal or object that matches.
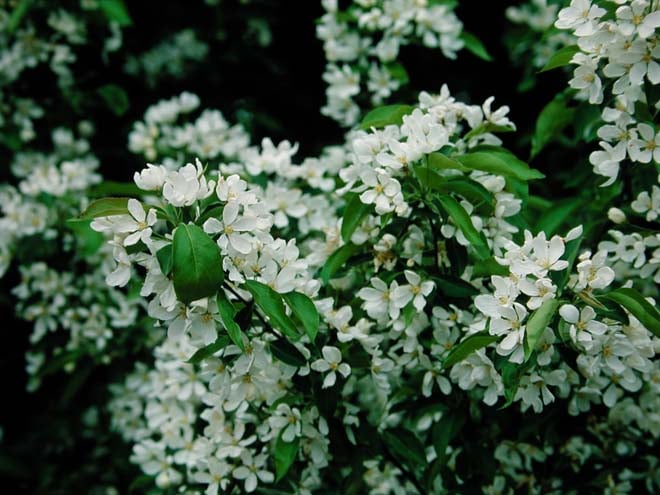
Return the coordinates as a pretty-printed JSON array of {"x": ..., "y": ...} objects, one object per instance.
[
  {"x": 115, "y": 11},
  {"x": 88, "y": 240},
  {"x": 561, "y": 58},
  {"x": 537, "y": 323},
  {"x": 196, "y": 264},
  {"x": 112, "y": 188},
  {"x": 115, "y": 98},
  {"x": 387, "y": 115},
  {"x": 207, "y": 351},
  {"x": 441, "y": 161},
  {"x": 445, "y": 430},
  {"x": 286, "y": 352},
  {"x": 272, "y": 304},
  {"x": 304, "y": 309},
  {"x": 406, "y": 446},
  {"x": 472, "y": 343},
  {"x": 284, "y": 454},
  {"x": 105, "y": 207},
  {"x": 631, "y": 300},
  {"x": 165, "y": 259},
  {"x": 488, "y": 267},
  {"x": 500, "y": 162},
  {"x": 228, "y": 319},
  {"x": 475, "y": 46},
  {"x": 463, "y": 221},
  {"x": 552, "y": 120},
  {"x": 336, "y": 261},
  {"x": 354, "y": 213},
  {"x": 454, "y": 287}
]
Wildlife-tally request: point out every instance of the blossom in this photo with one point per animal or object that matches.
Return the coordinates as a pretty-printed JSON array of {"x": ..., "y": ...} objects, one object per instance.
[
  {"x": 231, "y": 228},
  {"x": 331, "y": 362},
  {"x": 415, "y": 290}
]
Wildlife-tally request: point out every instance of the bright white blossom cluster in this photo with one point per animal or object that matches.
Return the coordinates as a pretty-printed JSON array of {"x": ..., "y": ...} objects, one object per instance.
[
  {"x": 388, "y": 317},
  {"x": 617, "y": 57},
  {"x": 362, "y": 44}
]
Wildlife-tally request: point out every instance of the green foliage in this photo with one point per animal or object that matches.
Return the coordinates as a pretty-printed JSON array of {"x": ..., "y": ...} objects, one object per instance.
[
  {"x": 468, "y": 346},
  {"x": 387, "y": 115},
  {"x": 354, "y": 213},
  {"x": 537, "y": 323},
  {"x": 196, "y": 264},
  {"x": 631, "y": 300},
  {"x": 561, "y": 58},
  {"x": 304, "y": 309},
  {"x": 475, "y": 46},
  {"x": 272, "y": 304},
  {"x": 228, "y": 317},
  {"x": 285, "y": 454},
  {"x": 115, "y": 11},
  {"x": 104, "y": 208}
]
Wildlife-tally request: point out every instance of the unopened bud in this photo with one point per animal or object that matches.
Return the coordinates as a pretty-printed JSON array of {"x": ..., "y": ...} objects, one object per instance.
[{"x": 616, "y": 215}]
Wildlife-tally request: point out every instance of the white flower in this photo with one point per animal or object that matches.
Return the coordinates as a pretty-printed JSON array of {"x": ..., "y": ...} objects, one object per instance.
[
  {"x": 151, "y": 178},
  {"x": 232, "y": 228},
  {"x": 253, "y": 471},
  {"x": 646, "y": 148},
  {"x": 415, "y": 291},
  {"x": 377, "y": 300},
  {"x": 288, "y": 420},
  {"x": 331, "y": 361},
  {"x": 510, "y": 324},
  {"x": 583, "y": 326},
  {"x": 139, "y": 224},
  {"x": 187, "y": 185}
]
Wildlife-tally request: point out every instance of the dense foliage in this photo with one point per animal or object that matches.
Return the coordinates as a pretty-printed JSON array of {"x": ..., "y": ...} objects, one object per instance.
[{"x": 426, "y": 264}]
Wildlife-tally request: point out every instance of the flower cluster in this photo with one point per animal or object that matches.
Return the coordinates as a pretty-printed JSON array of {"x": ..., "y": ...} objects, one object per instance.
[
  {"x": 362, "y": 43},
  {"x": 616, "y": 54}
]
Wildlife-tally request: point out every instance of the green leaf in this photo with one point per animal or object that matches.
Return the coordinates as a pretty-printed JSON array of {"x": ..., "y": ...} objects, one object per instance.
[
  {"x": 631, "y": 300},
  {"x": 112, "y": 188},
  {"x": 398, "y": 72},
  {"x": 228, "y": 319},
  {"x": 561, "y": 58},
  {"x": 336, "y": 261},
  {"x": 115, "y": 11},
  {"x": 558, "y": 214},
  {"x": 286, "y": 352},
  {"x": 444, "y": 431},
  {"x": 455, "y": 287},
  {"x": 354, "y": 213},
  {"x": 537, "y": 323},
  {"x": 285, "y": 453},
  {"x": 441, "y": 161},
  {"x": 17, "y": 14},
  {"x": 405, "y": 445},
  {"x": 272, "y": 305},
  {"x": 383, "y": 116},
  {"x": 196, "y": 264},
  {"x": 164, "y": 257},
  {"x": 89, "y": 241},
  {"x": 500, "y": 162},
  {"x": 105, "y": 207},
  {"x": 464, "y": 223},
  {"x": 305, "y": 310},
  {"x": 206, "y": 352},
  {"x": 471, "y": 190},
  {"x": 475, "y": 46},
  {"x": 488, "y": 267},
  {"x": 468, "y": 346},
  {"x": 115, "y": 97},
  {"x": 552, "y": 120}
]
